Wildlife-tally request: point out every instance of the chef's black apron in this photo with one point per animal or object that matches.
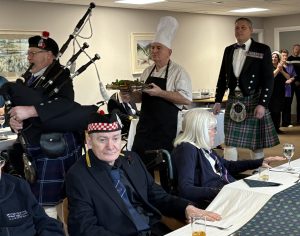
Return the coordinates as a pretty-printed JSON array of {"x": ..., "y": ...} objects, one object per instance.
[{"x": 157, "y": 124}]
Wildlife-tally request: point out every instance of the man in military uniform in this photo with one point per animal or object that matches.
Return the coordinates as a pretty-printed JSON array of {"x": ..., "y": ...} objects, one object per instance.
[
  {"x": 42, "y": 114},
  {"x": 247, "y": 72}
]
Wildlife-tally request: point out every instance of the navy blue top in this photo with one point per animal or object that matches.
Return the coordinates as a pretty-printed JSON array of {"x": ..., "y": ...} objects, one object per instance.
[
  {"x": 20, "y": 213},
  {"x": 197, "y": 181}
]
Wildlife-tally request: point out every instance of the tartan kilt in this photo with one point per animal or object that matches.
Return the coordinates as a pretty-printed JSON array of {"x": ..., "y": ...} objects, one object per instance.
[
  {"x": 252, "y": 133},
  {"x": 49, "y": 186}
]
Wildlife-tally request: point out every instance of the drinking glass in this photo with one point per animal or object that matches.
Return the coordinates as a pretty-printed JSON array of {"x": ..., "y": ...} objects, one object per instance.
[
  {"x": 263, "y": 173},
  {"x": 2, "y": 121},
  {"x": 198, "y": 224},
  {"x": 288, "y": 152}
]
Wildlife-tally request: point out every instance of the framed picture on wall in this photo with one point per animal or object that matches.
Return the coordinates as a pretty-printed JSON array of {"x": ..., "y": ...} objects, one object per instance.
[
  {"x": 13, "y": 52},
  {"x": 140, "y": 50}
]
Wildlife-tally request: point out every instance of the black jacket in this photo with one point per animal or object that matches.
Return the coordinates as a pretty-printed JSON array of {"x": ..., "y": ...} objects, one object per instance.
[
  {"x": 256, "y": 74},
  {"x": 114, "y": 106},
  {"x": 20, "y": 213},
  {"x": 96, "y": 208}
]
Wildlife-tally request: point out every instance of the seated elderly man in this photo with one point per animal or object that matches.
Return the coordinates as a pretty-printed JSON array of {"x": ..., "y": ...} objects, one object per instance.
[
  {"x": 111, "y": 193},
  {"x": 20, "y": 213}
]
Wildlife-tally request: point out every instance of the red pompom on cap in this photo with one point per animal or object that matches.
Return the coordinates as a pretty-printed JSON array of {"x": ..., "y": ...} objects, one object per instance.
[
  {"x": 45, "y": 34},
  {"x": 101, "y": 112}
]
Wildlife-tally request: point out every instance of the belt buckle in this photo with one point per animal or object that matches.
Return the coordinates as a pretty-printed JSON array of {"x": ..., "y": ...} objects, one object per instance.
[{"x": 238, "y": 94}]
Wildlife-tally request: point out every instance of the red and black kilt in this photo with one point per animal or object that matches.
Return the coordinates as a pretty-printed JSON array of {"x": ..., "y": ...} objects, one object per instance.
[
  {"x": 252, "y": 133},
  {"x": 49, "y": 186}
]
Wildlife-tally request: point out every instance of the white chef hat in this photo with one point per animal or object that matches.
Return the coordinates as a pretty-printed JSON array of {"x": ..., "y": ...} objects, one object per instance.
[{"x": 166, "y": 30}]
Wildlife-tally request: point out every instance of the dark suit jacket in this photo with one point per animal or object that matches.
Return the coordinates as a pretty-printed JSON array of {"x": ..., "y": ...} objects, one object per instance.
[
  {"x": 20, "y": 213},
  {"x": 96, "y": 208},
  {"x": 196, "y": 179},
  {"x": 256, "y": 74},
  {"x": 115, "y": 106}
]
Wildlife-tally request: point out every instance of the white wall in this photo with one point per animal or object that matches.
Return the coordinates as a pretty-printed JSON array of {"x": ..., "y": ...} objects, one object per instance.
[{"x": 198, "y": 45}]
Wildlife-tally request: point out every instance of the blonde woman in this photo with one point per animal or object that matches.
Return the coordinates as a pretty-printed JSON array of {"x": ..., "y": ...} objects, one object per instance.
[{"x": 201, "y": 173}]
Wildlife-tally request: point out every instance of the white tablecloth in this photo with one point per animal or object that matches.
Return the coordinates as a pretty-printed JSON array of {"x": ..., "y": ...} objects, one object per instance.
[
  {"x": 11, "y": 138},
  {"x": 237, "y": 203},
  {"x": 131, "y": 133}
]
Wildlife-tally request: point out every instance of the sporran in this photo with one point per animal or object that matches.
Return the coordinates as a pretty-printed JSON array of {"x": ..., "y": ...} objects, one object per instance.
[{"x": 238, "y": 112}]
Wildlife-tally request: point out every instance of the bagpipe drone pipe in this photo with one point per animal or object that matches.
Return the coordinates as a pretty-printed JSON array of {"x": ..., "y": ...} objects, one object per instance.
[{"x": 48, "y": 85}]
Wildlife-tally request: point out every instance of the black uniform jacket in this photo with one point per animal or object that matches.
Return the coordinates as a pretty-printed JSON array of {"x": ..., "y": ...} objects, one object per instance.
[
  {"x": 96, "y": 208},
  {"x": 58, "y": 113},
  {"x": 115, "y": 106},
  {"x": 256, "y": 74},
  {"x": 20, "y": 213}
]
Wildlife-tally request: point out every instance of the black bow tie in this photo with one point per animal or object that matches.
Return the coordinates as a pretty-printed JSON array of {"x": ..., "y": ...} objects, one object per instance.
[{"x": 237, "y": 46}]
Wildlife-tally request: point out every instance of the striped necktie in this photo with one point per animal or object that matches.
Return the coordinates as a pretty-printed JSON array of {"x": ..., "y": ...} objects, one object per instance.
[
  {"x": 127, "y": 108},
  {"x": 136, "y": 217},
  {"x": 219, "y": 167}
]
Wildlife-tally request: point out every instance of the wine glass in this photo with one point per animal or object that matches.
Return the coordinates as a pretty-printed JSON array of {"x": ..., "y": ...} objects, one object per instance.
[{"x": 288, "y": 152}]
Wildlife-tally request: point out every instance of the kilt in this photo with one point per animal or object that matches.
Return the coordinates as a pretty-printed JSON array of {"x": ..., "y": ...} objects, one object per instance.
[
  {"x": 252, "y": 133},
  {"x": 49, "y": 186}
]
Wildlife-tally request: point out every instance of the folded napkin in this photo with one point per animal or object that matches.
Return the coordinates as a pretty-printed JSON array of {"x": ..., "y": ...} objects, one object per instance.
[{"x": 257, "y": 183}]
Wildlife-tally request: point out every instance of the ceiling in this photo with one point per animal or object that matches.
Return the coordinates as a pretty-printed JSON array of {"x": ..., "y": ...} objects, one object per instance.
[{"x": 217, "y": 7}]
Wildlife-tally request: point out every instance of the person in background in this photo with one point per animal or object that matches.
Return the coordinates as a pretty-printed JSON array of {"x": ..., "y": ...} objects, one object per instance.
[
  {"x": 200, "y": 172},
  {"x": 120, "y": 104},
  {"x": 170, "y": 89},
  {"x": 20, "y": 212},
  {"x": 289, "y": 89},
  {"x": 33, "y": 120},
  {"x": 276, "y": 104},
  {"x": 294, "y": 59},
  {"x": 247, "y": 72},
  {"x": 111, "y": 193},
  {"x": 3, "y": 116},
  {"x": 3, "y": 80}
]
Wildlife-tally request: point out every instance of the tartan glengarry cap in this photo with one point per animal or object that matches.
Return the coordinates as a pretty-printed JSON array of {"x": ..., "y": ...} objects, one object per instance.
[
  {"x": 44, "y": 42},
  {"x": 104, "y": 123}
]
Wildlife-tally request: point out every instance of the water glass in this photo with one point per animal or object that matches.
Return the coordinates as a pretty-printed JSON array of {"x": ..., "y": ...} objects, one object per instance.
[
  {"x": 198, "y": 224},
  {"x": 263, "y": 173}
]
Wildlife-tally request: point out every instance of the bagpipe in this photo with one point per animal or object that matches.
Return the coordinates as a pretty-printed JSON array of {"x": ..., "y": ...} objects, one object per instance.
[{"x": 50, "y": 83}]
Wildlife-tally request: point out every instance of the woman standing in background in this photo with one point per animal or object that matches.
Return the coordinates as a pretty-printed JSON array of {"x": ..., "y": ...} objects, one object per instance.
[
  {"x": 288, "y": 68},
  {"x": 276, "y": 104}
]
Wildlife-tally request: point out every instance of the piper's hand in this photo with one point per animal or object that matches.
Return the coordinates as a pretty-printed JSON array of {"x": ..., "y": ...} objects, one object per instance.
[
  {"x": 259, "y": 111},
  {"x": 190, "y": 211},
  {"x": 154, "y": 91},
  {"x": 217, "y": 108},
  {"x": 21, "y": 113},
  {"x": 267, "y": 161},
  {"x": 15, "y": 125}
]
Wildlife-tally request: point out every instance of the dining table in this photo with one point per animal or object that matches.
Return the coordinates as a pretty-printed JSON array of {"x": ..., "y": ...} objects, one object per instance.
[
  {"x": 7, "y": 138},
  {"x": 264, "y": 208}
]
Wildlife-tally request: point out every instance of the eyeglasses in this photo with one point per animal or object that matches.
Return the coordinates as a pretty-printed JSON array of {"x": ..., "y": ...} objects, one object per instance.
[
  {"x": 33, "y": 53},
  {"x": 213, "y": 129}
]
